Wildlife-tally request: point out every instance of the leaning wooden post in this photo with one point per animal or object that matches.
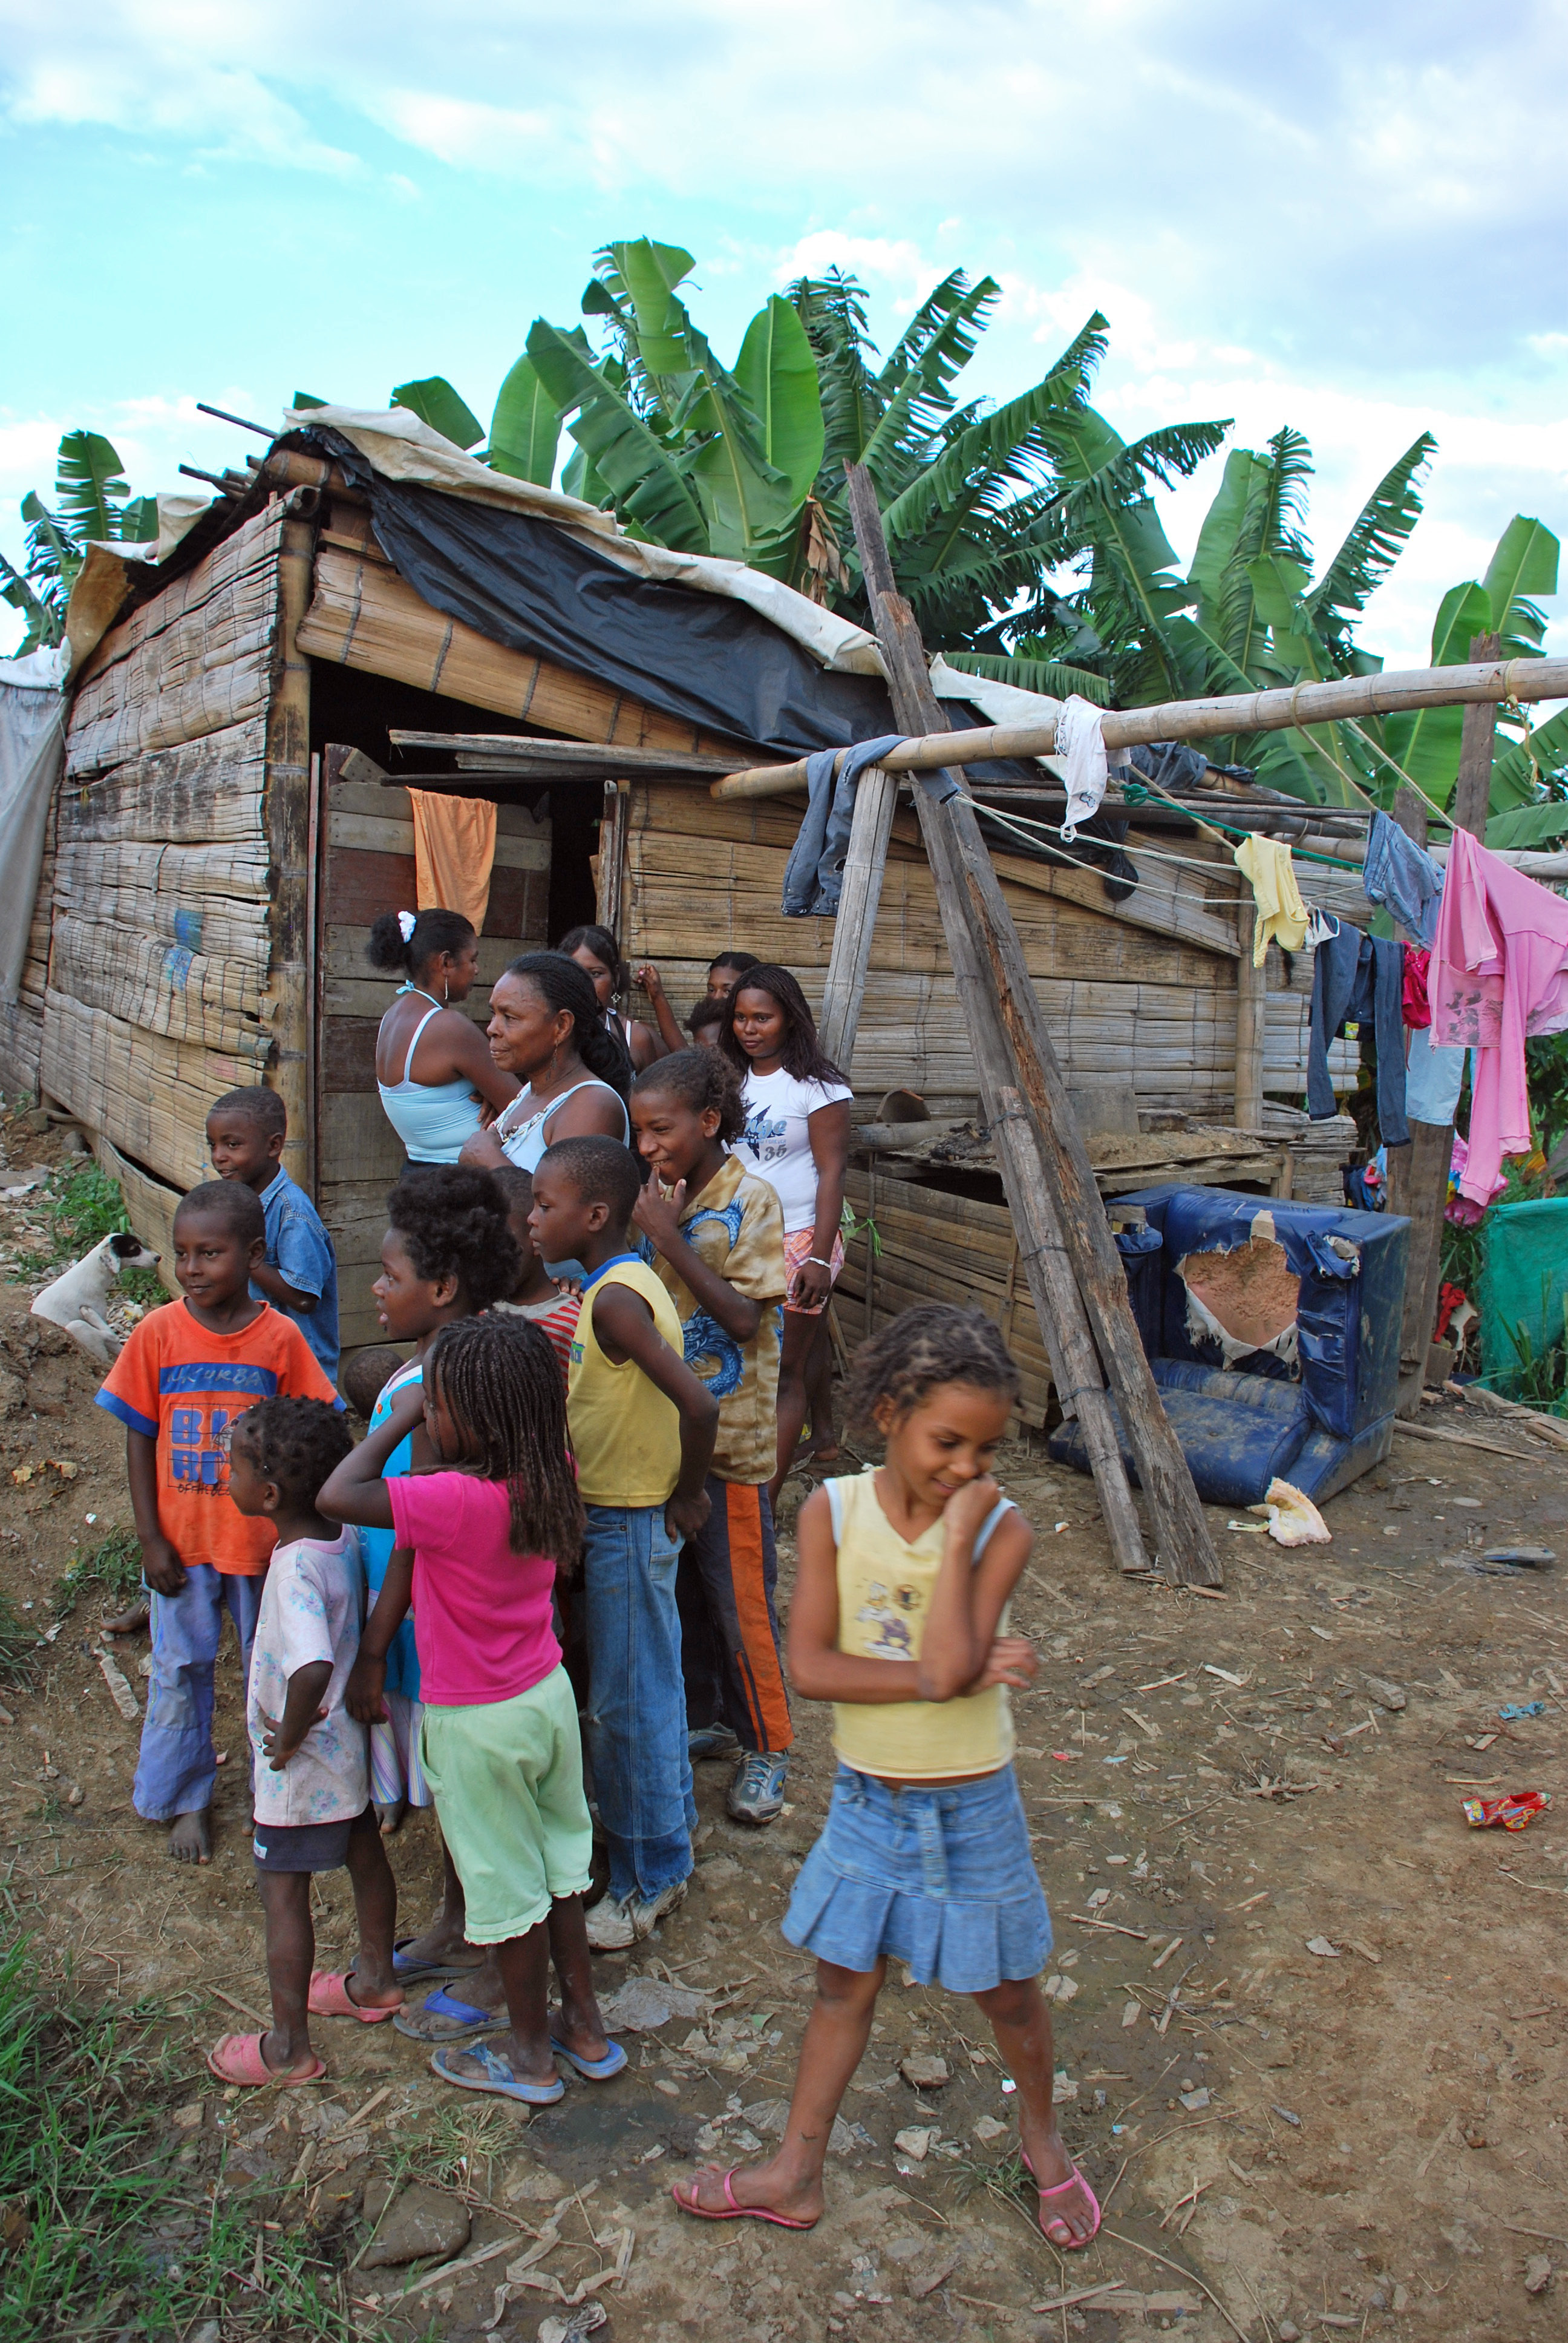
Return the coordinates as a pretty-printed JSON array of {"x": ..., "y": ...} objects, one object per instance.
[
  {"x": 285, "y": 815},
  {"x": 1417, "y": 1182},
  {"x": 1052, "y": 1186},
  {"x": 1252, "y": 997},
  {"x": 870, "y": 829}
]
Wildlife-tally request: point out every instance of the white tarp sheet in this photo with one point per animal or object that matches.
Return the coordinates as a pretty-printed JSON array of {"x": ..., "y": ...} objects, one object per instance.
[{"x": 31, "y": 743}]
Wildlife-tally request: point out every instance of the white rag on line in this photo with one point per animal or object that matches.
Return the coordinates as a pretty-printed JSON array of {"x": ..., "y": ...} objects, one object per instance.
[{"x": 1081, "y": 746}]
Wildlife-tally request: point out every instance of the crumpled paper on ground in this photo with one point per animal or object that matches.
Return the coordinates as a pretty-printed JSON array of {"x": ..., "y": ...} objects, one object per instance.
[{"x": 1294, "y": 1519}]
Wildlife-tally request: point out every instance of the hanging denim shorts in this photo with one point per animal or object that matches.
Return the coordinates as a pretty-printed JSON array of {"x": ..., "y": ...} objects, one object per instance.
[{"x": 940, "y": 1877}]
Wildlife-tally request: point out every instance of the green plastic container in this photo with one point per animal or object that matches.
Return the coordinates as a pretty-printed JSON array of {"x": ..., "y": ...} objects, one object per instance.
[{"x": 1523, "y": 1285}]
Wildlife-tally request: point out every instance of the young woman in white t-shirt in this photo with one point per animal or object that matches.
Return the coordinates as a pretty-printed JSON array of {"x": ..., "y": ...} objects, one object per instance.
[{"x": 797, "y": 1136}]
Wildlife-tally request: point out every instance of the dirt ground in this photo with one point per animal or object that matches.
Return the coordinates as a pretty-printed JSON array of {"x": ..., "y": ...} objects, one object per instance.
[{"x": 1366, "y": 2137}]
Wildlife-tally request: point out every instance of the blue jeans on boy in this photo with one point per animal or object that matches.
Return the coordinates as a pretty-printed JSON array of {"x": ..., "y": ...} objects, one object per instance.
[
  {"x": 636, "y": 1721},
  {"x": 176, "y": 1771}
]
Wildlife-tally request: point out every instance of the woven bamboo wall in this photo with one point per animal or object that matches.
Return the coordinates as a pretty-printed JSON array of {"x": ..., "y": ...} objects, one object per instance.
[
  {"x": 160, "y": 995},
  {"x": 1141, "y": 995},
  {"x": 367, "y": 867}
]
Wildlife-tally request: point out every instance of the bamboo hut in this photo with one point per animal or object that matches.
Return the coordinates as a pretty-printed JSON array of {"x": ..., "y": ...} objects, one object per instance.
[{"x": 366, "y": 608}]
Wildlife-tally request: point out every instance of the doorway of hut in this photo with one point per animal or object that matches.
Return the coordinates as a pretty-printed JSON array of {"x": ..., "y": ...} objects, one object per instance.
[{"x": 541, "y": 884}]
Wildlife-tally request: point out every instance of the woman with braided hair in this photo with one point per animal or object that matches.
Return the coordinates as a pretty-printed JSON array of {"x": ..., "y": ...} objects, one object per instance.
[{"x": 481, "y": 1541}]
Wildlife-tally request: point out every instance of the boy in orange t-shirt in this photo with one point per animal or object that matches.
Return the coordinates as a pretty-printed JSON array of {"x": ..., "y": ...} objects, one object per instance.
[{"x": 187, "y": 1372}]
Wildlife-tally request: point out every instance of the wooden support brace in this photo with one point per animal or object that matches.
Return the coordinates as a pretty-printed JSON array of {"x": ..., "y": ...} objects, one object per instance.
[
  {"x": 1074, "y": 1270},
  {"x": 870, "y": 831},
  {"x": 1418, "y": 1175}
]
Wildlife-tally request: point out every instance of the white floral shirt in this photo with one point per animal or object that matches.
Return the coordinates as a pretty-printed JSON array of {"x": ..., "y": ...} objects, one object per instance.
[{"x": 312, "y": 1608}]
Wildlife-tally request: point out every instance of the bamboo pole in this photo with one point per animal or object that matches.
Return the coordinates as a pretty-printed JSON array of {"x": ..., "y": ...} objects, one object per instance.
[
  {"x": 1298, "y": 704},
  {"x": 1251, "y": 1007},
  {"x": 285, "y": 814}
]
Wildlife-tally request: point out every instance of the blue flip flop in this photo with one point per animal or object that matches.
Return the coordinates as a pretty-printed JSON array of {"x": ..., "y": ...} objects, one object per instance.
[
  {"x": 497, "y": 2078},
  {"x": 409, "y": 1971},
  {"x": 467, "y": 2018},
  {"x": 596, "y": 2070}
]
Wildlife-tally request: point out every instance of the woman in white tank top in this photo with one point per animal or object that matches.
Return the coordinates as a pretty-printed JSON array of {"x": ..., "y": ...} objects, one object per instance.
[
  {"x": 435, "y": 1074},
  {"x": 544, "y": 1029}
]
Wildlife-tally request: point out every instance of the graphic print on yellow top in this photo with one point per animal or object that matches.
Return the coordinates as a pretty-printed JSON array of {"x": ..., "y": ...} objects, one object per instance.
[
  {"x": 625, "y": 1433},
  {"x": 735, "y": 1227},
  {"x": 885, "y": 1586}
]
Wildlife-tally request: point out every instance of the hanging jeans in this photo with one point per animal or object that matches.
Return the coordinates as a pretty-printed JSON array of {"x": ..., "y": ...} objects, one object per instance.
[
  {"x": 1362, "y": 979},
  {"x": 176, "y": 1771},
  {"x": 636, "y": 1722}
]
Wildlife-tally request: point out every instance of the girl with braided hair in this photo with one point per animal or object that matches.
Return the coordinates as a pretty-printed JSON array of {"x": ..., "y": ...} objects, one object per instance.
[
  {"x": 481, "y": 1540},
  {"x": 899, "y": 1619}
]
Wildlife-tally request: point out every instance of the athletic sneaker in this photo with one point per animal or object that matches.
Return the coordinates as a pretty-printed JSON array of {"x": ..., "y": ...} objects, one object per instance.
[
  {"x": 756, "y": 1793},
  {"x": 711, "y": 1741},
  {"x": 615, "y": 1925}
]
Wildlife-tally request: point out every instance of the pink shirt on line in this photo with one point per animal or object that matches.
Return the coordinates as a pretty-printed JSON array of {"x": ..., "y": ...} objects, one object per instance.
[
  {"x": 483, "y": 1623},
  {"x": 1499, "y": 973}
]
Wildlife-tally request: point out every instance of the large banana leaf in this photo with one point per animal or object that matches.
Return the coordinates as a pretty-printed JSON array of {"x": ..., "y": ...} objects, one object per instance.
[
  {"x": 1524, "y": 565},
  {"x": 1426, "y": 744},
  {"x": 648, "y": 486},
  {"x": 832, "y": 312},
  {"x": 1054, "y": 678},
  {"x": 994, "y": 439},
  {"x": 752, "y": 509},
  {"x": 526, "y": 427},
  {"x": 641, "y": 275},
  {"x": 45, "y": 622},
  {"x": 435, "y": 402},
  {"x": 932, "y": 351},
  {"x": 90, "y": 485},
  {"x": 1524, "y": 827},
  {"x": 1373, "y": 544},
  {"x": 1519, "y": 770},
  {"x": 777, "y": 372},
  {"x": 945, "y": 317},
  {"x": 138, "y": 522}
]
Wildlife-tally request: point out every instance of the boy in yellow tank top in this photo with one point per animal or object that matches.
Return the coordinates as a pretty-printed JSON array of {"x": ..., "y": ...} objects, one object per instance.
[{"x": 643, "y": 1431}]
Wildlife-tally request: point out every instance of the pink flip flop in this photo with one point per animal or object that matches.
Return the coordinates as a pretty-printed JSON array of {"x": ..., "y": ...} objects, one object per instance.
[
  {"x": 238, "y": 2059},
  {"x": 735, "y": 2212},
  {"x": 1077, "y": 2181},
  {"x": 329, "y": 1997}
]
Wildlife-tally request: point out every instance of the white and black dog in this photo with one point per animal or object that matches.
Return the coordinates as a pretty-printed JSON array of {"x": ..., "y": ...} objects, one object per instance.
[{"x": 76, "y": 1299}]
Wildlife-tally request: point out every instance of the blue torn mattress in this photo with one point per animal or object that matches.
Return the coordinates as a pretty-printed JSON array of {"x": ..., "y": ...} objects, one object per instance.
[{"x": 1252, "y": 1398}]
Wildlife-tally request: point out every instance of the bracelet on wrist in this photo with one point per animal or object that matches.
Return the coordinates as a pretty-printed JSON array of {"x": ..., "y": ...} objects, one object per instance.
[{"x": 817, "y": 1262}]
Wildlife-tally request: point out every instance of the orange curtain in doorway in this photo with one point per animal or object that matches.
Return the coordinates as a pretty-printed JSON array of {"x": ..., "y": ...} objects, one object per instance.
[{"x": 454, "y": 853}]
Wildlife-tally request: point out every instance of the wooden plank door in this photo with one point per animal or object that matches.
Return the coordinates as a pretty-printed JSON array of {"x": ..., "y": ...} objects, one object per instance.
[{"x": 367, "y": 867}]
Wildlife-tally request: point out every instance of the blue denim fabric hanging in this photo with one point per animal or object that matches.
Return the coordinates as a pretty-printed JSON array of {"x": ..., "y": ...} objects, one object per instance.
[
  {"x": 1362, "y": 978},
  {"x": 814, "y": 874},
  {"x": 1404, "y": 878}
]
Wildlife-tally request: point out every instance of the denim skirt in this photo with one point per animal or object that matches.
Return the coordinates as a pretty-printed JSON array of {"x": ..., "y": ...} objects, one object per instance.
[{"x": 941, "y": 1878}]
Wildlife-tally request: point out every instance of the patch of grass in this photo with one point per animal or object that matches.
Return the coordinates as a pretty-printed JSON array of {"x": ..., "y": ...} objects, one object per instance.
[
  {"x": 107, "y": 2231},
  {"x": 114, "y": 1565},
  {"x": 18, "y": 1645},
  {"x": 461, "y": 2139}
]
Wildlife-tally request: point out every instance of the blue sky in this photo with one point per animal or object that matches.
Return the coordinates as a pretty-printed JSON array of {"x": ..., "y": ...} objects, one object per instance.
[{"x": 1350, "y": 219}]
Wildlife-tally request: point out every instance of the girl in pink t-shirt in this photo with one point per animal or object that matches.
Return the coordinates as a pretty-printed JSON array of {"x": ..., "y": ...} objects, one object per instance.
[{"x": 480, "y": 1540}]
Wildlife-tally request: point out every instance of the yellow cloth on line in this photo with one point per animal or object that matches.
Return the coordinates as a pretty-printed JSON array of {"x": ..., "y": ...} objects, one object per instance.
[
  {"x": 1281, "y": 914},
  {"x": 453, "y": 854}
]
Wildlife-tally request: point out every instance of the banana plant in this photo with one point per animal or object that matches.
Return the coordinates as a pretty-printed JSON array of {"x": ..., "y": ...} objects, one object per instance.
[
  {"x": 1258, "y": 619},
  {"x": 1427, "y": 744},
  {"x": 93, "y": 502},
  {"x": 691, "y": 453}
]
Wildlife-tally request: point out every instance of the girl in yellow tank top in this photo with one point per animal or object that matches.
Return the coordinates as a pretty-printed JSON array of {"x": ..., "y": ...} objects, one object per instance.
[{"x": 899, "y": 1618}]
